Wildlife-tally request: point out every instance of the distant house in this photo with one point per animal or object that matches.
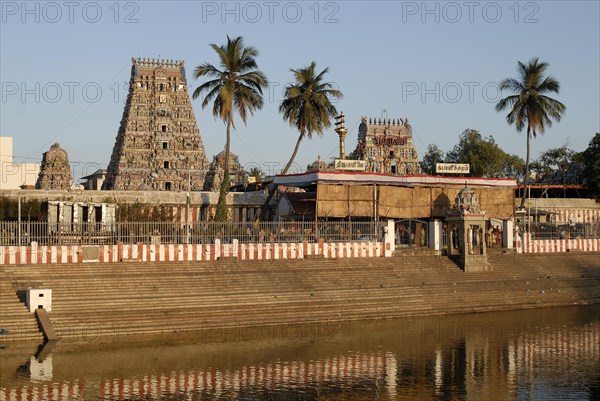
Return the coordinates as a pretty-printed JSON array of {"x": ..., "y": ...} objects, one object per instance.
[
  {"x": 15, "y": 175},
  {"x": 93, "y": 182}
]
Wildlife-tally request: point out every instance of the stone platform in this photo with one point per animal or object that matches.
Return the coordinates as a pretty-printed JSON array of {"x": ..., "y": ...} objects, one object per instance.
[{"x": 92, "y": 301}]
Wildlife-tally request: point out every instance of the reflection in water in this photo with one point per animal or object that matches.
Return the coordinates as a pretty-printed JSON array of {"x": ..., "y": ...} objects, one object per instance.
[{"x": 545, "y": 354}]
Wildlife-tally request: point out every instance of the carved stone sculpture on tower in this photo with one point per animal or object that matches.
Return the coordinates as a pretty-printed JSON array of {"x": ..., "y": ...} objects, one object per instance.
[{"x": 55, "y": 170}]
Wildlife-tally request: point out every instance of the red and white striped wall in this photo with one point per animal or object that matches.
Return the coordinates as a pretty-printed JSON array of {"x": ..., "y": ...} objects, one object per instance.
[
  {"x": 557, "y": 245},
  {"x": 65, "y": 391},
  {"x": 34, "y": 254},
  {"x": 576, "y": 215}
]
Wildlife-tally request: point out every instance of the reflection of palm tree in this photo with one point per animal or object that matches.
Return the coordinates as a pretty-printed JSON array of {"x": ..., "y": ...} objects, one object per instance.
[
  {"x": 530, "y": 106},
  {"x": 237, "y": 87}
]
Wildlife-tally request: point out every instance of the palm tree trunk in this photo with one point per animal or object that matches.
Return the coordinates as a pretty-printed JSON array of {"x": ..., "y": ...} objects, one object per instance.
[
  {"x": 526, "y": 177},
  {"x": 265, "y": 208},
  {"x": 289, "y": 163},
  {"x": 221, "y": 212}
]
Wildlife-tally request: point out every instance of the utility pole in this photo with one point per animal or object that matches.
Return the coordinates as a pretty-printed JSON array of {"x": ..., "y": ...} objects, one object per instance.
[{"x": 19, "y": 221}]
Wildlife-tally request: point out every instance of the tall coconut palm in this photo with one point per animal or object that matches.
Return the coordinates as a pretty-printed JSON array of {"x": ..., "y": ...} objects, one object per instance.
[
  {"x": 307, "y": 106},
  {"x": 236, "y": 88},
  {"x": 530, "y": 106}
]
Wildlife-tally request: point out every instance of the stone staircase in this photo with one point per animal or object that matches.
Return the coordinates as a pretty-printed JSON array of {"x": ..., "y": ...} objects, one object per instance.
[
  {"x": 14, "y": 317},
  {"x": 92, "y": 300}
]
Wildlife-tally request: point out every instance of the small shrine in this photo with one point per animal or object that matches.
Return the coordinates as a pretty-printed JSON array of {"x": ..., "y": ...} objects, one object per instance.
[
  {"x": 55, "y": 170},
  {"x": 466, "y": 232}
]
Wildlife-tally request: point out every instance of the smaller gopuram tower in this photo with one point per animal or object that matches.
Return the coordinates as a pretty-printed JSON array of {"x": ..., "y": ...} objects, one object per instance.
[
  {"x": 158, "y": 145},
  {"x": 387, "y": 147},
  {"x": 55, "y": 170},
  {"x": 215, "y": 174}
]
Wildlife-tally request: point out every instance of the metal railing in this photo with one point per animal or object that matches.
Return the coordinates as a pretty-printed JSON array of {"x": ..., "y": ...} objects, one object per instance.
[
  {"x": 13, "y": 233},
  {"x": 563, "y": 230}
]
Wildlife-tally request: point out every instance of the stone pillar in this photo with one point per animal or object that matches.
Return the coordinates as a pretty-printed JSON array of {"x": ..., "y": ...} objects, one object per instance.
[
  {"x": 435, "y": 234},
  {"x": 389, "y": 238},
  {"x": 507, "y": 234}
]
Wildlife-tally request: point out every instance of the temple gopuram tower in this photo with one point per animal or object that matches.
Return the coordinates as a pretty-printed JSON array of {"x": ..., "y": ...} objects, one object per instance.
[
  {"x": 387, "y": 147},
  {"x": 55, "y": 170},
  {"x": 215, "y": 174},
  {"x": 158, "y": 145}
]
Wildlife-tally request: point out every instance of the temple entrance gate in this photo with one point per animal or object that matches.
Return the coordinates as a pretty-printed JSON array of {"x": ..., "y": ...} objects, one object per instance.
[{"x": 411, "y": 232}]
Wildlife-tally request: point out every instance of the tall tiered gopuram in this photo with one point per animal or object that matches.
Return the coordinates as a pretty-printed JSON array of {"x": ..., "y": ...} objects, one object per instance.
[
  {"x": 158, "y": 145},
  {"x": 387, "y": 147}
]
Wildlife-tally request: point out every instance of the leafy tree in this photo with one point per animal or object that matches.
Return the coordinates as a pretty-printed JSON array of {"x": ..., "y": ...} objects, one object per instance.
[
  {"x": 31, "y": 209},
  {"x": 485, "y": 157},
  {"x": 433, "y": 155},
  {"x": 591, "y": 166},
  {"x": 236, "y": 87},
  {"x": 556, "y": 160},
  {"x": 530, "y": 106},
  {"x": 307, "y": 106},
  {"x": 513, "y": 167},
  {"x": 143, "y": 212}
]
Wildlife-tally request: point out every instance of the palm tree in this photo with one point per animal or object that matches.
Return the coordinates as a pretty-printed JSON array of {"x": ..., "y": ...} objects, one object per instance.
[
  {"x": 529, "y": 105},
  {"x": 257, "y": 173},
  {"x": 236, "y": 87},
  {"x": 307, "y": 107},
  {"x": 307, "y": 104}
]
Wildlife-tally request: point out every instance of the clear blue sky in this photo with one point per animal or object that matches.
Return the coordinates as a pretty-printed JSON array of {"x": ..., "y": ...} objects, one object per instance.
[{"x": 436, "y": 63}]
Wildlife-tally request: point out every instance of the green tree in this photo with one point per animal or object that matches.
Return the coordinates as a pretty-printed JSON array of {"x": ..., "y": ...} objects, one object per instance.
[
  {"x": 513, "y": 167},
  {"x": 591, "y": 166},
  {"x": 485, "y": 157},
  {"x": 307, "y": 106},
  {"x": 555, "y": 160},
  {"x": 433, "y": 155},
  {"x": 236, "y": 88},
  {"x": 31, "y": 209},
  {"x": 530, "y": 106}
]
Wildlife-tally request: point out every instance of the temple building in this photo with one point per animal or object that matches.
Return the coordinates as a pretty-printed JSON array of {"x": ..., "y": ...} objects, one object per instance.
[
  {"x": 387, "y": 147},
  {"x": 214, "y": 177},
  {"x": 317, "y": 165},
  {"x": 158, "y": 145},
  {"x": 55, "y": 170}
]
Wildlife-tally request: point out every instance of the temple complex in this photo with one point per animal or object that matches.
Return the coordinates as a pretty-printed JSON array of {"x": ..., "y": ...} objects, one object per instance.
[
  {"x": 387, "y": 147},
  {"x": 158, "y": 145},
  {"x": 214, "y": 177},
  {"x": 55, "y": 170}
]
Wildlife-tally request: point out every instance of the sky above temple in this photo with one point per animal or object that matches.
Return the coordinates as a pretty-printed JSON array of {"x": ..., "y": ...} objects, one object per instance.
[{"x": 65, "y": 68}]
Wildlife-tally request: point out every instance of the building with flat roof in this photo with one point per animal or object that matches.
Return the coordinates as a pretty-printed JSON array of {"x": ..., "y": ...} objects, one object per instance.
[
  {"x": 362, "y": 195},
  {"x": 14, "y": 175}
]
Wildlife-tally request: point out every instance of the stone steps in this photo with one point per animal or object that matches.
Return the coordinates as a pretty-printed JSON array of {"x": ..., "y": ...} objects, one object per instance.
[{"x": 151, "y": 298}]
